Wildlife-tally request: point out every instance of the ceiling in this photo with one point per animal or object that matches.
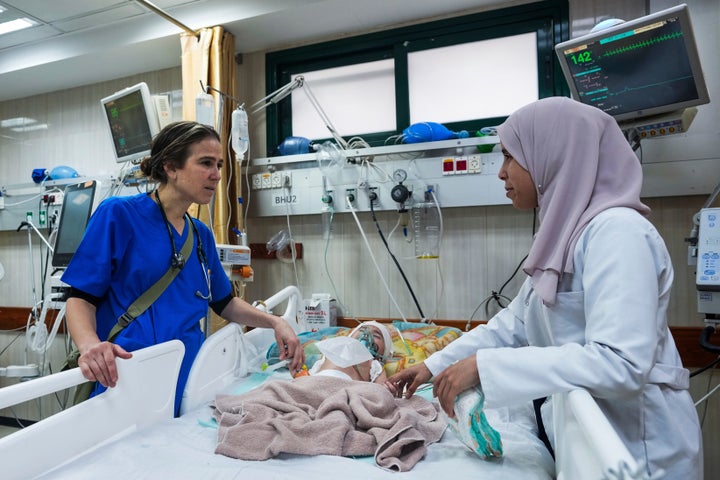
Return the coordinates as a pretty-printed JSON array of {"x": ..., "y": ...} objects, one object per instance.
[{"x": 80, "y": 42}]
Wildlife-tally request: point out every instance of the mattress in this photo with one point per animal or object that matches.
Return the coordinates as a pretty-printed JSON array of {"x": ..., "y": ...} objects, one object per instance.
[{"x": 183, "y": 448}]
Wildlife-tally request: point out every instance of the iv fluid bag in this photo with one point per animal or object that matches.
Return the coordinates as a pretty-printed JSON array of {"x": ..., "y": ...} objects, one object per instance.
[
  {"x": 239, "y": 132},
  {"x": 430, "y": 132},
  {"x": 205, "y": 109},
  {"x": 426, "y": 226}
]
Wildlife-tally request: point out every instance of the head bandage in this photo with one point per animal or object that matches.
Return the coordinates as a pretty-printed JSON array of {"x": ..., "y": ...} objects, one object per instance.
[
  {"x": 344, "y": 351},
  {"x": 387, "y": 339}
]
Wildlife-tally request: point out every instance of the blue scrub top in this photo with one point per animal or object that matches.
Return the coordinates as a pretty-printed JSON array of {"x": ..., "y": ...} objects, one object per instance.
[{"x": 125, "y": 250}]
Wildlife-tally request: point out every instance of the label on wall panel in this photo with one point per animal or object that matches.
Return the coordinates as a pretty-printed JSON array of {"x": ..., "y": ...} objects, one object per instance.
[{"x": 284, "y": 200}]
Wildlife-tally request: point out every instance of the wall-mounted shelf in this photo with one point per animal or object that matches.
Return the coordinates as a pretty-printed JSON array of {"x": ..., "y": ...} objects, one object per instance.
[{"x": 425, "y": 148}]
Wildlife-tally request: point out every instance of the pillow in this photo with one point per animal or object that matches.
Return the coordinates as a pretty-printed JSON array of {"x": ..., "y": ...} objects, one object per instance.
[
  {"x": 308, "y": 341},
  {"x": 413, "y": 343}
]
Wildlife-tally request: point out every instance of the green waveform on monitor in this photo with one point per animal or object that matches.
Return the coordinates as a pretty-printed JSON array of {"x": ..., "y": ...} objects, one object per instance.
[
  {"x": 642, "y": 44},
  {"x": 652, "y": 85}
]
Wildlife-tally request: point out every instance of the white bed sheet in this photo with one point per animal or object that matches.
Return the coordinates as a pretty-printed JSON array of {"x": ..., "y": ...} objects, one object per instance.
[{"x": 183, "y": 448}]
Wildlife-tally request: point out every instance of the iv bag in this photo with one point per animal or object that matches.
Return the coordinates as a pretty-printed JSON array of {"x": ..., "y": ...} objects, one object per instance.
[
  {"x": 205, "y": 109},
  {"x": 239, "y": 132}
]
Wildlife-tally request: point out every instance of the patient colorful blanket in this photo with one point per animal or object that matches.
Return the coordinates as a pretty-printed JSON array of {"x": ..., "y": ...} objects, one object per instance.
[{"x": 319, "y": 415}]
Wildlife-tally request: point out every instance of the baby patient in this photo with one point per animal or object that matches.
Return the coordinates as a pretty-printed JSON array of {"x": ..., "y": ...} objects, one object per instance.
[{"x": 359, "y": 356}]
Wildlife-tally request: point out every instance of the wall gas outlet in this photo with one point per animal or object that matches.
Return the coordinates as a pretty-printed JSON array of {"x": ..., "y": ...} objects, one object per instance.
[
  {"x": 276, "y": 180},
  {"x": 257, "y": 181}
]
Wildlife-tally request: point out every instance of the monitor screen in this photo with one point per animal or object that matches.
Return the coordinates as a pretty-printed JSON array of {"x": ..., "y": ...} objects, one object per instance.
[
  {"x": 641, "y": 68},
  {"x": 74, "y": 216},
  {"x": 132, "y": 121}
]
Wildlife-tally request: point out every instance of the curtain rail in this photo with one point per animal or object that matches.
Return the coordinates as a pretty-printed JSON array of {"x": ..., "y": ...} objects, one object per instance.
[{"x": 167, "y": 17}]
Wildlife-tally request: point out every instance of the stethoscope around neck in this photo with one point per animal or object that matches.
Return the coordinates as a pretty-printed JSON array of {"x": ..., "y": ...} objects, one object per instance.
[{"x": 177, "y": 260}]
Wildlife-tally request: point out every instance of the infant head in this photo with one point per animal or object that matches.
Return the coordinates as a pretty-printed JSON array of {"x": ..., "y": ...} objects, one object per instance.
[{"x": 376, "y": 338}]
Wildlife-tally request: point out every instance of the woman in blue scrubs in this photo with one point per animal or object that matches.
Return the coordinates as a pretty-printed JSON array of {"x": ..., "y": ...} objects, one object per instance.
[
  {"x": 592, "y": 313},
  {"x": 131, "y": 242}
]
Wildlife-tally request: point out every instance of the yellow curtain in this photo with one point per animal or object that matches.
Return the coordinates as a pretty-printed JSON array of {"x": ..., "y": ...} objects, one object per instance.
[{"x": 210, "y": 58}]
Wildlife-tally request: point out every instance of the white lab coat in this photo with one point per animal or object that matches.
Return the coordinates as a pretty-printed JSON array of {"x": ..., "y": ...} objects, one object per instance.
[{"x": 607, "y": 333}]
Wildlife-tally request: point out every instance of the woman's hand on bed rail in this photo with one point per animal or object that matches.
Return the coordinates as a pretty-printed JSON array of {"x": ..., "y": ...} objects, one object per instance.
[
  {"x": 97, "y": 362},
  {"x": 290, "y": 347},
  {"x": 406, "y": 381}
]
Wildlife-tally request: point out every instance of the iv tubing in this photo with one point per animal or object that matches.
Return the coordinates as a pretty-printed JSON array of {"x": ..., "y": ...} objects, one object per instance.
[
  {"x": 397, "y": 264},
  {"x": 367, "y": 244}
]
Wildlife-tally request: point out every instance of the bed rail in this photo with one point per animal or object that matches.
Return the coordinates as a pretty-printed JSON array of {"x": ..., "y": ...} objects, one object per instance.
[
  {"x": 223, "y": 356},
  {"x": 586, "y": 445},
  {"x": 70, "y": 433}
]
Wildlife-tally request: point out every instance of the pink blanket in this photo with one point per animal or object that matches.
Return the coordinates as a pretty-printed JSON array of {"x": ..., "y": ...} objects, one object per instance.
[{"x": 319, "y": 415}]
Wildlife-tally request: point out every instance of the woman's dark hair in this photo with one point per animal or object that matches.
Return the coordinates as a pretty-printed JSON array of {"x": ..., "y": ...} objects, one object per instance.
[{"x": 171, "y": 145}]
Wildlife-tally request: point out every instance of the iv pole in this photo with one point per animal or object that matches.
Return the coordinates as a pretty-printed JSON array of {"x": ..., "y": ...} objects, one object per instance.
[
  {"x": 30, "y": 370},
  {"x": 30, "y": 226}
]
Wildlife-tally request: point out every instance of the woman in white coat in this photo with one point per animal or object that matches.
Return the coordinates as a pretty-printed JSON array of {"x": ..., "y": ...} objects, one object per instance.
[{"x": 592, "y": 312}]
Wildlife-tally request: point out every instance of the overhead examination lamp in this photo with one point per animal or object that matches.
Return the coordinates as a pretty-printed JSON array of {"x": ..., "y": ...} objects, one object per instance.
[{"x": 287, "y": 89}]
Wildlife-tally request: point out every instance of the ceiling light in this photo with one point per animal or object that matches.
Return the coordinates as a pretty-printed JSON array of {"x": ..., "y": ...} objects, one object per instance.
[
  {"x": 17, "y": 122},
  {"x": 31, "y": 128},
  {"x": 14, "y": 25}
]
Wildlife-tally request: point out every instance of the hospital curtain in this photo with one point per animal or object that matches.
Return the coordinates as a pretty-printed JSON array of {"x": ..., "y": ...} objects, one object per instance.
[{"x": 209, "y": 58}]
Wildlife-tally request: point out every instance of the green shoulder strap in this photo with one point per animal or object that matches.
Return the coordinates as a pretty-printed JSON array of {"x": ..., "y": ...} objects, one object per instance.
[{"x": 151, "y": 294}]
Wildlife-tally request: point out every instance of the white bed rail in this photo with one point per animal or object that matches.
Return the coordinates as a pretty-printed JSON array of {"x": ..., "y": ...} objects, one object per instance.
[
  {"x": 58, "y": 439},
  {"x": 223, "y": 356},
  {"x": 586, "y": 445}
]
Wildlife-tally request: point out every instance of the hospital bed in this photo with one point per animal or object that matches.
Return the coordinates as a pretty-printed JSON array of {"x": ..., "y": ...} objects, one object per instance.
[{"x": 129, "y": 431}]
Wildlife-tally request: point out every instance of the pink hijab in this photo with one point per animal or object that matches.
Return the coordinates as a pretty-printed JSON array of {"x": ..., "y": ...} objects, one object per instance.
[{"x": 581, "y": 165}]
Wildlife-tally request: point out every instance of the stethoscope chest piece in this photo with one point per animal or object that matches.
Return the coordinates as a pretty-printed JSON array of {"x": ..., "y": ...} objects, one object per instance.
[{"x": 177, "y": 261}]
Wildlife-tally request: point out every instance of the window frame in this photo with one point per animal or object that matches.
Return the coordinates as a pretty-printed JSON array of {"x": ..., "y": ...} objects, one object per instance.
[{"x": 549, "y": 18}]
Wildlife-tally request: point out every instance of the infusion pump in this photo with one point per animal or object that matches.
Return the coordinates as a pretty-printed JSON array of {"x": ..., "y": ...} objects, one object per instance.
[
  {"x": 235, "y": 260},
  {"x": 707, "y": 276}
]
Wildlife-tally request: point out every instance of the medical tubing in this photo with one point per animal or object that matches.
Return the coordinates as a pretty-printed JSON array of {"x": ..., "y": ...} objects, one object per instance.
[
  {"x": 346, "y": 311},
  {"x": 33, "y": 312},
  {"x": 439, "y": 296},
  {"x": 706, "y": 367},
  {"x": 292, "y": 240},
  {"x": 440, "y": 217},
  {"x": 397, "y": 264},
  {"x": 227, "y": 187},
  {"x": 705, "y": 340},
  {"x": 21, "y": 332},
  {"x": 707, "y": 395},
  {"x": 521, "y": 261},
  {"x": 498, "y": 295},
  {"x": 712, "y": 196},
  {"x": 377, "y": 267}
]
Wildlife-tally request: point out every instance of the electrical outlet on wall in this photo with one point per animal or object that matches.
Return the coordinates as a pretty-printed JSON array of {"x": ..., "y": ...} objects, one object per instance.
[
  {"x": 257, "y": 181},
  {"x": 275, "y": 180}
]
